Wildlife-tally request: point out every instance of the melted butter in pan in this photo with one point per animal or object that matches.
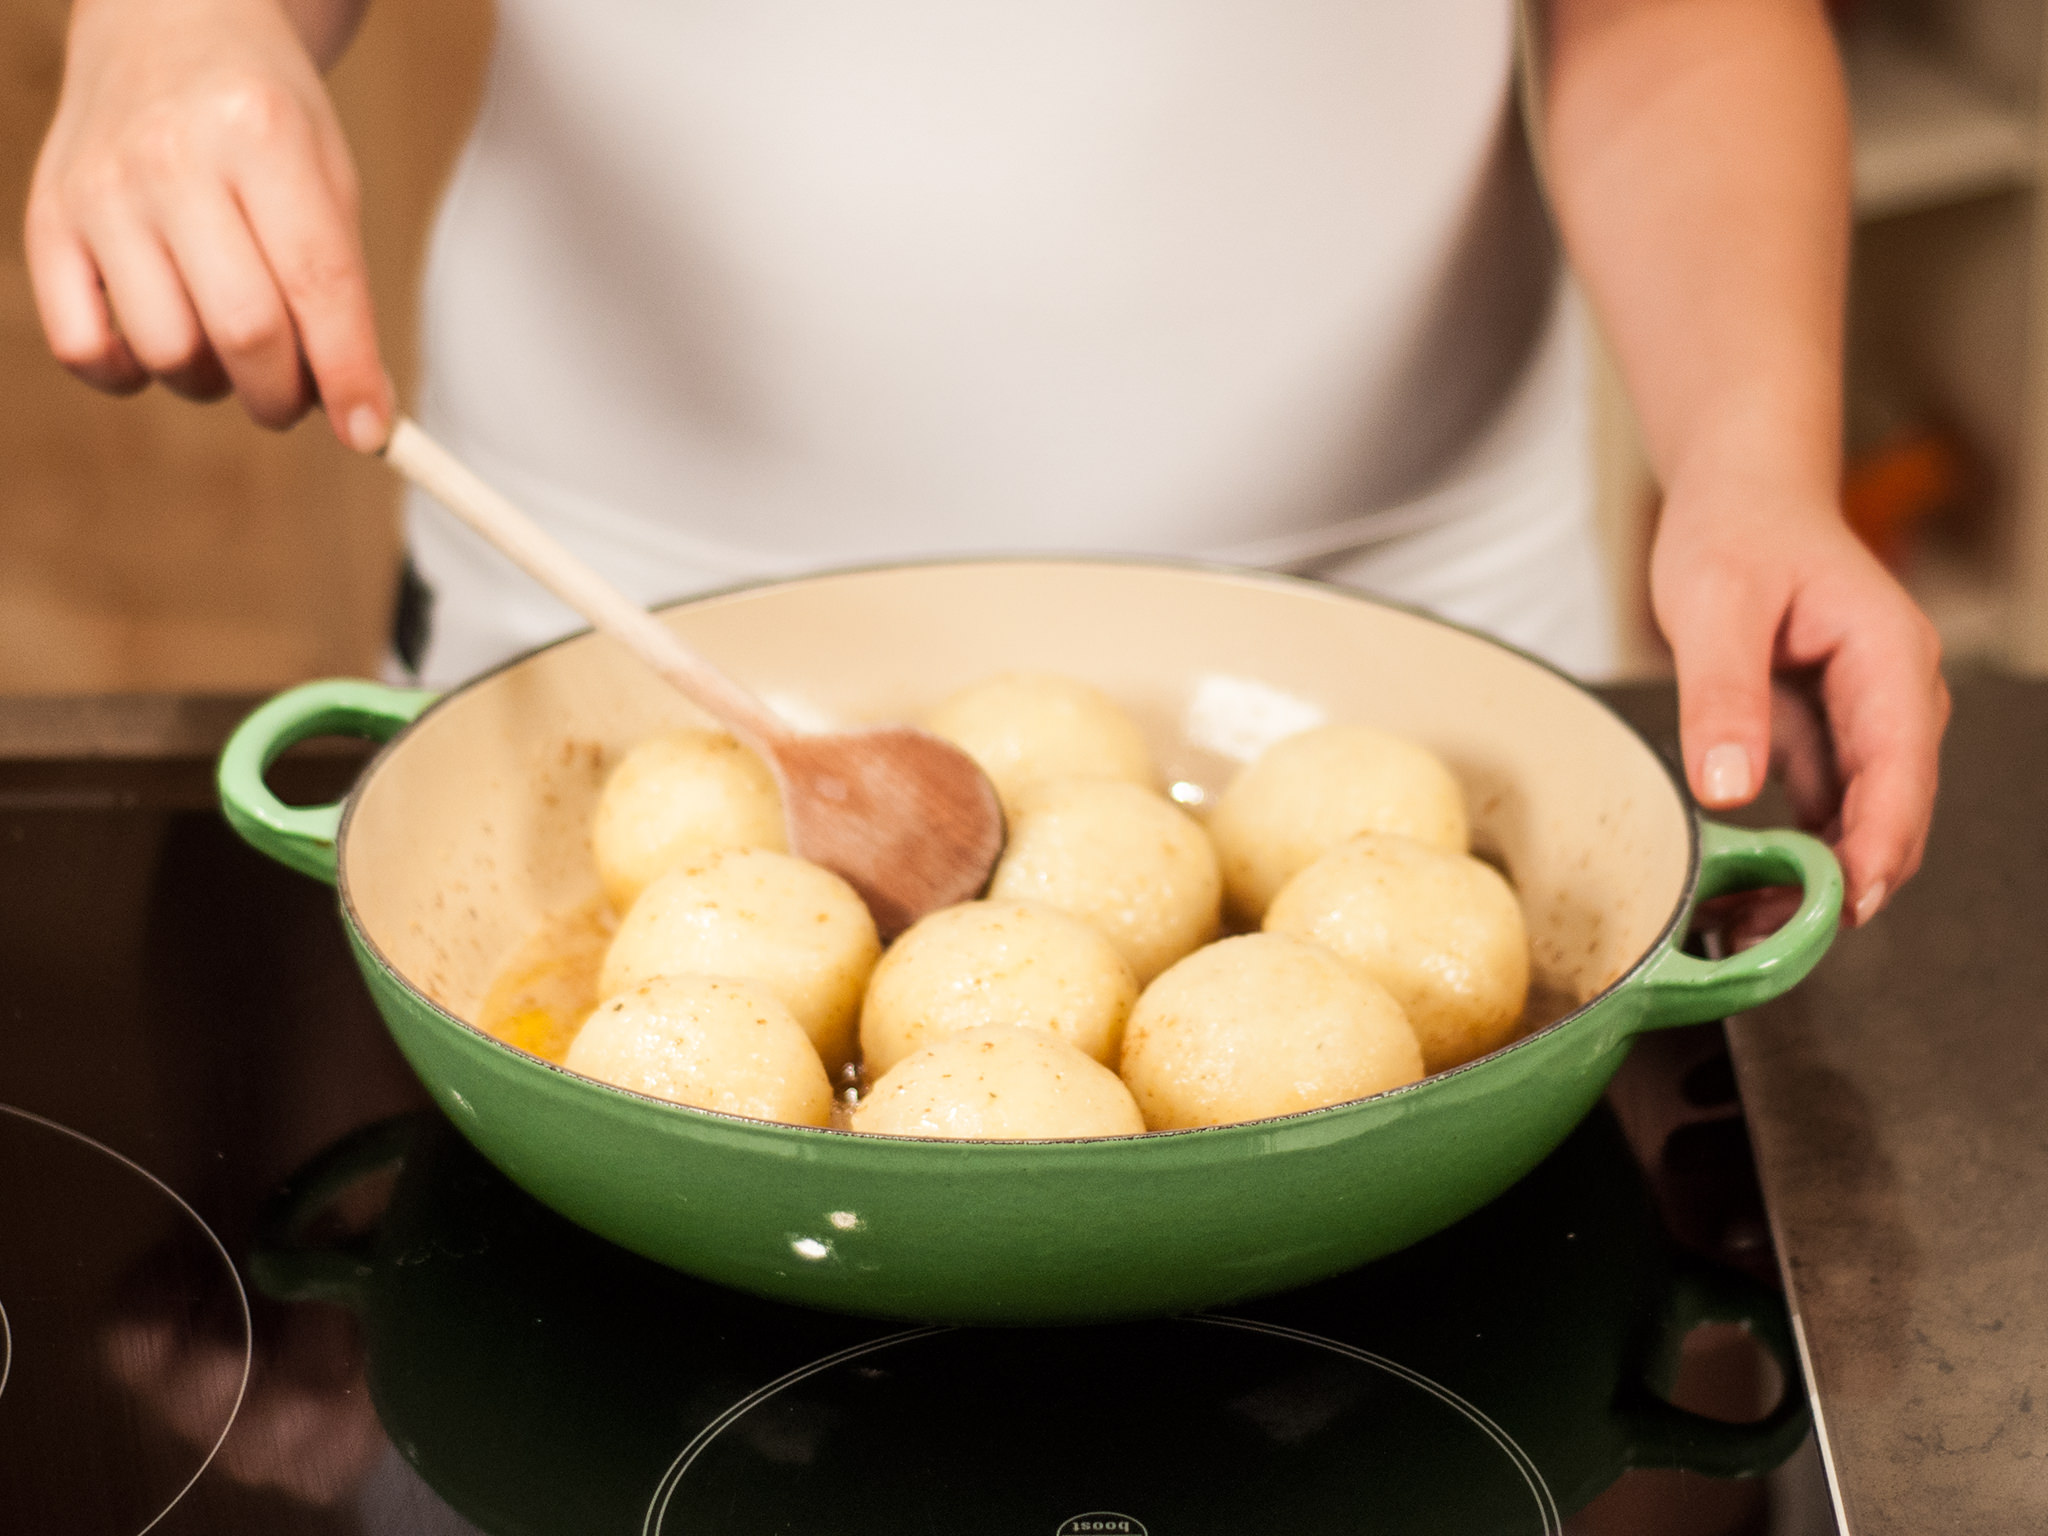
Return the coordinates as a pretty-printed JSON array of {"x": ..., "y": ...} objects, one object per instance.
[{"x": 542, "y": 995}]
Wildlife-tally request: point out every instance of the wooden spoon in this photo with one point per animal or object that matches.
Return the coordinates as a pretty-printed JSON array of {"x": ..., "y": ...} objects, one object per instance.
[{"x": 908, "y": 820}]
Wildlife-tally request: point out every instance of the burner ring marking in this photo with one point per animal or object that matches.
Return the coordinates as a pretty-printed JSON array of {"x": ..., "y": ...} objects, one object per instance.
[{"x": 1532, "y": 1476}]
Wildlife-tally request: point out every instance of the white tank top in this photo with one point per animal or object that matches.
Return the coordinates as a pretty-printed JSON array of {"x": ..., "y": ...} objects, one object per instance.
[{"x": 734, "y": 288}]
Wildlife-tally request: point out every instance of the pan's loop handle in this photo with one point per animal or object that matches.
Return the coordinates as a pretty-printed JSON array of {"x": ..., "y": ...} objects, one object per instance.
[
  {"x": 1664, "y": 1435},
  {"x": 1680, "y": 989},
  {"x": 302, "y": 836},
  {"x": 285, "y": 1264}
]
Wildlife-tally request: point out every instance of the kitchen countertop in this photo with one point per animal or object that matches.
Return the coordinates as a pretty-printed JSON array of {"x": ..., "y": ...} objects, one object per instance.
[{"x": 1898, "y": 1103}]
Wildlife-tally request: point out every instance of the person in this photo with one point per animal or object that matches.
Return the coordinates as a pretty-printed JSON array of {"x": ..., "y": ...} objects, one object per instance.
[{"x": 729, "y": 290}]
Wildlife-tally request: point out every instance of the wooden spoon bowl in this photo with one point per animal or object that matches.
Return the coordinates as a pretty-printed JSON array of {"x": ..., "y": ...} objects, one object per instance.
[{"x": 906, "y": 819}]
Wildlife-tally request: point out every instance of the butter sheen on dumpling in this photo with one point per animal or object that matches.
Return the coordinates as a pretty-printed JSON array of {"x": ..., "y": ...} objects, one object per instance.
[
  {"x": 1310, "y": 792},
  {"x": 1027, "y": 727},
  {"x": 706, "y": 1041},
  {"x": 676, "y": 793},
  {"x": 999, "y": 1083},
  {"x": 996, "y": 962},
  {"x": 798, "y": 930},
  {"x": 1262, "y": 1025},
  {"x": 1442, "y": 931},
  {"x": 1127, "y": 862}
]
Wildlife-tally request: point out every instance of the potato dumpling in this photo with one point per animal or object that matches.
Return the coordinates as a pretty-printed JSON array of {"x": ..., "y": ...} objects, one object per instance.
[
  {"x": 1125, "y": 861},
  {"x": 1308, "y": 793},
  {"x": 999, "y": 1083},
  {"x": 1440, "y": 930},
  {"x": 1023, "y": 727},
  {"x": 798, "y": 930},
  {"x": 1262, "y": 1025},
  {"x": 718, "y": 1044},
  {"x": 996, "y": 962},
  {"x": 674, "y": 793}
]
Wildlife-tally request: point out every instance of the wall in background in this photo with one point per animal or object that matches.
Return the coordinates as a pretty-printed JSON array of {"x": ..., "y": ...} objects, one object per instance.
[{"x": 153, "y": 544}]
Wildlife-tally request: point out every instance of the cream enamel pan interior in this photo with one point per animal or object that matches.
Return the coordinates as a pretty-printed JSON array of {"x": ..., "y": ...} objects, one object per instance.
[
  {"x": 458, "y": 846},
  {"x": 471, "y": 827}
]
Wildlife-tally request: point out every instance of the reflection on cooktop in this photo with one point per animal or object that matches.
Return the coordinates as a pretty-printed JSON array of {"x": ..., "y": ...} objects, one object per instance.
[
  {"x": 1485, "y": 1381},
  {"x": 105, "y": 1274}
]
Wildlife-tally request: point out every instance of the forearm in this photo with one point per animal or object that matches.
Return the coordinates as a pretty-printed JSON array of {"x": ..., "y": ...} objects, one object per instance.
[{"x": 1698, "y": 158}]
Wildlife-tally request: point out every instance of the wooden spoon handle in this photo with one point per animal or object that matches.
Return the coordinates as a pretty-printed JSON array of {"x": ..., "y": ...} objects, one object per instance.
[{"x": 452, "y": 483}]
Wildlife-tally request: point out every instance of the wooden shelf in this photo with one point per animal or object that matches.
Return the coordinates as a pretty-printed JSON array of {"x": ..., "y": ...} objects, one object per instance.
[{"x": 1924, "y": 135}]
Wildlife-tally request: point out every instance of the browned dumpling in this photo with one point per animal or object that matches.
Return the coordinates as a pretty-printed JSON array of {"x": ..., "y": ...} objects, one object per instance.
[
  {"x": 674, "y": 794},
  {"x": 1442, "y": 931},
  {"x": 999, "y": 1083},
  {"x": 1127, "y": 862},
  {"x": 707, "y": 1041},
  {"x": 1310, "y": 792},
  {"x": 1026, "y": 727},
  {"x": 798, "y": 930},
  {"x": 996, "y": 962},
  {"x": 1262, "y": 1025}
]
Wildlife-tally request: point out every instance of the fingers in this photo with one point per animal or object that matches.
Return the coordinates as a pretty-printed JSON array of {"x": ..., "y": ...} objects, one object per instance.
[
  {"x": 73, "y": 306},
  {"x": 147, "y": 297},
  {"x": 1888, "y": 706},
  {"x": 239, "y": 307},
  {"x": 1810, "y": 599},
  {"x": 1722, "y": 632},
  {"x": 316, "y": 256}
]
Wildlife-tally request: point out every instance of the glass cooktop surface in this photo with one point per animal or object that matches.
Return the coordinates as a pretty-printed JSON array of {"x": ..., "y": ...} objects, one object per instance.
[{"x": 251, "y": 1281}]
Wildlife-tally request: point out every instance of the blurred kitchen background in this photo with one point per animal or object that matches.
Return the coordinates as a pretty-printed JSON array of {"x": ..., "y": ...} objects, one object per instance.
[{"x": 149, "y": 544}]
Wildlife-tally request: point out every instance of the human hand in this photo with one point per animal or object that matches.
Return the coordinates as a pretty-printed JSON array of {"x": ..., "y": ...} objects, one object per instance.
[
  {"x": 193, "y": 217},
  {"x": 1745, "y": 584},
  {"x": 301, "y": 1423}
]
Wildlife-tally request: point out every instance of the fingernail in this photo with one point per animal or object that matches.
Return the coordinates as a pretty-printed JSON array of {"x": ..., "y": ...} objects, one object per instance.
[
  {"x": 1724, "y": 773},
  {"x": 365, "y": 432},
  {"x": 1870, "y": 902}
]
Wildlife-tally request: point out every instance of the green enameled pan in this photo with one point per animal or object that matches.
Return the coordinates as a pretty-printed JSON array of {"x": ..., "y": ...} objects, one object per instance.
[{"x": 471, "y": 826}]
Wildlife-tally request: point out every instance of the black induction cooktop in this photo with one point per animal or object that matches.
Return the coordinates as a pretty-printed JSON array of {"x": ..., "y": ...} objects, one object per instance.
[{"x": 250, "y": 1281}]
